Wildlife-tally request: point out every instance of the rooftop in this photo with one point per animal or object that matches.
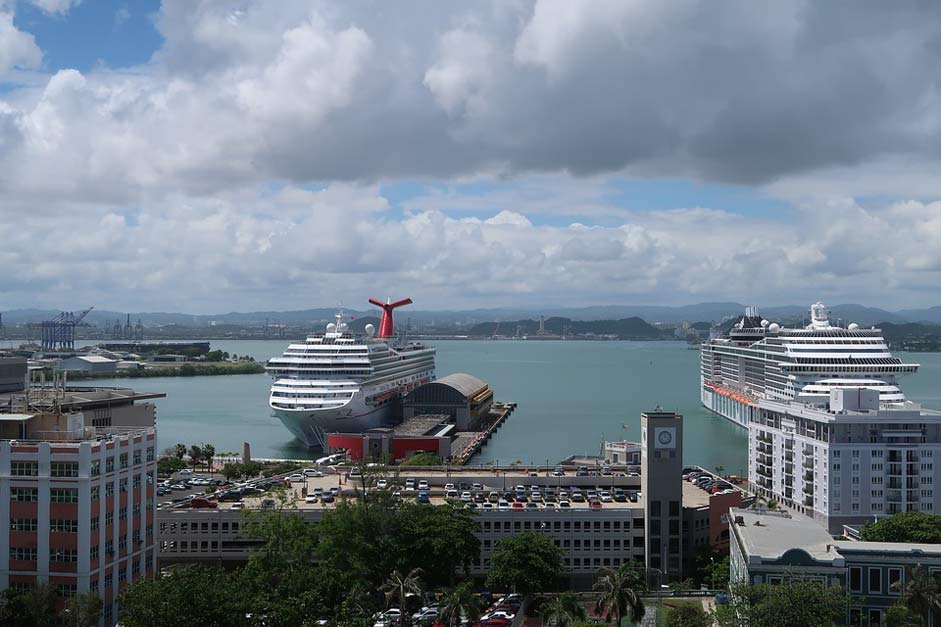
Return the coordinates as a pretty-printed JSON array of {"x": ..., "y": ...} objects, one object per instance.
[
  {"x": 768, "y": 536},
  {"x": 933, "y": 550}
]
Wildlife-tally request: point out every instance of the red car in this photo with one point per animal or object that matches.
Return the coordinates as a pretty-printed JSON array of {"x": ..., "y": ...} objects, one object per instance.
[
  {"x": 202, "y": 502},
  {"x": 595, "y": 504},
  {"x": 517, "y": 505}
]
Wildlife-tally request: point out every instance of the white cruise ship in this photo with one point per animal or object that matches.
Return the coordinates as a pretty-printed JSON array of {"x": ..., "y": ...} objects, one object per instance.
[
  {"x": 762, "y": 360},
  {"x": 338, "y": 382}
]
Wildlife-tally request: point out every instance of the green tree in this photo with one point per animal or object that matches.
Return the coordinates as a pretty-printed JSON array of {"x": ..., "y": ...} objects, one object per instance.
[
  {"x": 921, "y": 593},
  {"x": 194, "y": 595},
  {"x": 231, "y": 471},
  {"x": 196, "y": 455},
  {"x": 788, "y": 604},
  {"x": 397, "y": 588},
  {"x": 82, "y": 610},
  {"x": 526, "y": 562},
  {"x": 716, "y": 573},
  {"x": 902, "y": 616},
  {"x": 180, "y": 451},
  {"x": 444, "y": 538},
  {"x": 688, "y": 615},
  {"x": 461, "y": 604},
  {"x": 619, "y": 593},
  {"x": 35, "y": 607},
  {"x": 563, "y": 611},
  {"x": 208, "y": 452},
  {"x": 904, "y": 527},
  {"x": 170, "y": 465}
]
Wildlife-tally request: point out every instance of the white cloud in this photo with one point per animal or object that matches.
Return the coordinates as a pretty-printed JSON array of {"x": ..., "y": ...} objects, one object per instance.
[
  {"x": 56, "y": 7},
  {"x": 17, "y": 48},
  {"x": 249, "y": 153}
]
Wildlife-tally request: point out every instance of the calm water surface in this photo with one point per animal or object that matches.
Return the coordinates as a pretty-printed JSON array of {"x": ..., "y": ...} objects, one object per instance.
[{"x": 570, "y": 395}]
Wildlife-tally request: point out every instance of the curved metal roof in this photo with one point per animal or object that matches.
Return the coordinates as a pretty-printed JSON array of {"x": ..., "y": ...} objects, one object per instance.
[{"x": 464, "y": 383}]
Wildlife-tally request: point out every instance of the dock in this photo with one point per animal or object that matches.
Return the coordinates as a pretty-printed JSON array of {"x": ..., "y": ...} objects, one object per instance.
[{"x": 469, "y": 443}]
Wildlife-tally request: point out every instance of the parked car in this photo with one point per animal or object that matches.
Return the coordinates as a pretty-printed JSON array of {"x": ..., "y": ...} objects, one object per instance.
[
  {"x": 517, "y": 505},
  {"x": 382, "y": 483},
  {"x": 466, "y": 497},
  {"x": 237, "y": 505},
  {"x": 327, "y": 497},
  {"x": 449, "y": 486},
  {"x": 595, "y": 504},
  {"x": 451, "y": 494},
  {"x": 200, "y": 502},
  {"x": 423, "y": 485},
  {"x": 605, "y": 496},
  {"x": 310, "y": 498},
  {"x": 312, "y": 472},
  {"x": 423, "y": 497}
]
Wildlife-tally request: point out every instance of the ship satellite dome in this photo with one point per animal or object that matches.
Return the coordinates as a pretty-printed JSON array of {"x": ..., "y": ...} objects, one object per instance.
[
  {"x": 774, "y": 327},
  {"x": 853, "y": 326},
  {"x": 764, "y": 324},
  {"x": 331, "y": 327},
  {"x": 343, "y": 327},
  {"x": 370, "y": 329}
]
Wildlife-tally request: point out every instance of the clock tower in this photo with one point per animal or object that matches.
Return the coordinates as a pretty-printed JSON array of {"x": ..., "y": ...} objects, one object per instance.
[{"x": 662, "y": 488}]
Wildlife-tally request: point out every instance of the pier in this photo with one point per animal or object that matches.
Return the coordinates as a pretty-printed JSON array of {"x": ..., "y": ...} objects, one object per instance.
[{"x": 470, "y": 443}]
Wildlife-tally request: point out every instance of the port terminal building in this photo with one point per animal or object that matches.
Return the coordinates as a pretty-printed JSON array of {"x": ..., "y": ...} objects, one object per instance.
[{"x": 463, "y": 397}]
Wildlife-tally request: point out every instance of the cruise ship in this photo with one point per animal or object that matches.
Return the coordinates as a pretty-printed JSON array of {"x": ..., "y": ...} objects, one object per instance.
[
  {"x": 340, "y": 382},
  {"x": 759, "y": 359}
]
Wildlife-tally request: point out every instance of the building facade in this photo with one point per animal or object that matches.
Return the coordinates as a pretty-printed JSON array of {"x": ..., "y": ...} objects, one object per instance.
[
  {"x": 772, "y": 547},
  {"x": 662, "y": 489},
  {"x": 847, "y": 463},
  {"x": 79, "y": 506},
  {"x": 463, "y": 397}
]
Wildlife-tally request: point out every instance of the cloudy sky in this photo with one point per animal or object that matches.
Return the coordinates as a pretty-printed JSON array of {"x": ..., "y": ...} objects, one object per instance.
[{"x": 214, "y": 156}]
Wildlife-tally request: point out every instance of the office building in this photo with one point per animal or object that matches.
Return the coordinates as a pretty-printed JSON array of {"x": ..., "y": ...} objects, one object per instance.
[{"x": 846, "y": 463}]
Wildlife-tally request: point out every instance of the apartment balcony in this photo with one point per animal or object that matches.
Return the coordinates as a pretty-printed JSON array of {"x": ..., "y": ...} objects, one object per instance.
[
  {"x": 912, "y": 456},
  {"x": 788, "y": 493},
  {"x": 912, "y": 496},
  {"x": 766, "y": 460},
  {"x": 809, "y": 475},
  {"x": 764, "y": 438},
  {"x": 912, "y": 483},
  {"x": 808, "y": 501},
  {"x": 764, "y": 471},
  {"x": 789, "y": 456},
  {"x": 894, "y": 470},
  {"x": 808, "y": 489},
  {"x": 894, "y": 456},
  {"x": 788, "y": 468},
  {"x": 893, "y": 496},
  {"x": 808, "y": 462},
  {"x": 911, "y": 469},
  {"x": 765, "y": 448},
  {"x": 894, "y": 484}
]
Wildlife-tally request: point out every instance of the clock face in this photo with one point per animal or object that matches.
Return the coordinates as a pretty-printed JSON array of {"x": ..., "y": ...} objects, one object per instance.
[{"x": 665, "y": 437}]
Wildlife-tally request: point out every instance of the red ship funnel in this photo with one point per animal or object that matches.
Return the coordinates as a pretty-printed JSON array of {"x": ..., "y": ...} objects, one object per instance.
[{"x": 385, "y": 324}]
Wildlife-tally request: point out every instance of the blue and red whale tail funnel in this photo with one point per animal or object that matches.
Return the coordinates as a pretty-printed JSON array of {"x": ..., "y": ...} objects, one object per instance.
[{"x": 386, "y": 328}]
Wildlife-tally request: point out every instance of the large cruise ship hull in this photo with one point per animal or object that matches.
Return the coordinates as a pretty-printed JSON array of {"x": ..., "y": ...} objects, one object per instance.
[
  {"x": 310, "y": 426},
  {"x": 725, "y": 403}
]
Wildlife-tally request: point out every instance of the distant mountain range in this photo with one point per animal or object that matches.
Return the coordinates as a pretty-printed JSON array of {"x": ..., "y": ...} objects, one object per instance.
[{"x": 650, "y": 313}]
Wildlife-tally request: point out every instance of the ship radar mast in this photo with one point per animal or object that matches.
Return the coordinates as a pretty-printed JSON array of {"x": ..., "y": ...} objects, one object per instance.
[
  {"x": 818, "y": 317},
  {"x": 386, "y": 327}
]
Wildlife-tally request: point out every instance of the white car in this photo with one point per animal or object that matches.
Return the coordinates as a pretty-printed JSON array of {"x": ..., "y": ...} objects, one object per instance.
[
  {"x": 382, "y": 483},
  {"x": 502, "y": 504},
  {"x": 449, "y": 486},
  {"x": 312, "y": 472},
  {"x": 451, "y": 494},
  {"x": 294, "y": 478},
  {"x": 186, "y": 471},
  {"x": 422, "y": 485},
  {"x": 605, "y": 496},
  {"x": 466, "y": 497},
  {"x": 478, "y": 487},
  {"x": 498, "y": 614},
  {"x": 425, "y": 614},
  {"x": 237, "y": 505},
  {"x": 310, "y": 498}
]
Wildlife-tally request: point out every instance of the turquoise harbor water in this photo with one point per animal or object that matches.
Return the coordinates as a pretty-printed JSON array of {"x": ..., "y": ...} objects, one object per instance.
[{"x": 570, "y": 394}]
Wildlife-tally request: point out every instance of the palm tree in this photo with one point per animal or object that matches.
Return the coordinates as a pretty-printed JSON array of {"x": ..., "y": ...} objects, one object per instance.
[
  {"x": 563, "y": 611},
  {"x": 619, "y": 593},
  {"x": 399, "y": 586},
  {"x": 196, "y": 455},
  {"x": 922, "y": 593},
  {"x": 461, "y": 602},
  {"x": 358, "y": 602},
  {"x": 179, "y": 451},
  {"x": 208, "y": 452}
]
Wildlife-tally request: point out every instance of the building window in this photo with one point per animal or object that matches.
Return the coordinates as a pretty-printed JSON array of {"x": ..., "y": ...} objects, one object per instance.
[
  {"x": 136, "y": 482},
  {"x": 95, "y": 469},
  {"x": 23, "y": 524},
  {"x": 61, "y": 525},
  {"x": 95, "y": 492},
  {"x": 24, "y": 469},
  {"x": 109, "y": 518},
  {"x": 23, "y": 553},
  {"x": 856, "y": 579},
  {"x": 67, "y": 589},
  {"x": 875, "y": 581},
  {"x": 109, "y": 464},
  {"x": 109, "y": 489},
  {"x": 122, "y": 513},
  {"x": 22, "y": 495},
  {"x": 123, "y": 460},
  {"x": 63, "y": 555},
  {"x": 895, "y": 581},
  {"x": 137, "y": 457},
  {"x": 150, "y": 453},
  {"x": 63, "y": 495},
  {"x": 136, "y": 510},
  {"x": 64, "y": 469}
]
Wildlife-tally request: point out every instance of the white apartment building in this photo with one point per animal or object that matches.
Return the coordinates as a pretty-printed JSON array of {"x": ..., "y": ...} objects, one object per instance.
[{"x": 846, "y": 463}]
